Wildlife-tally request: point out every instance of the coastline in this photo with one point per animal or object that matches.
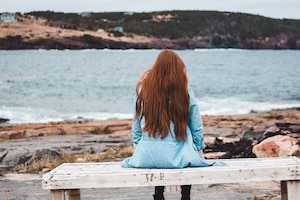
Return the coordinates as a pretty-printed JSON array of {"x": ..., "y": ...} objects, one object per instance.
[
  {"x": 43, "y": 30},
  {"x": 214, "y": 125},
  {"x": 82, "y": 135},
  {"x": 225, "y": 136}
]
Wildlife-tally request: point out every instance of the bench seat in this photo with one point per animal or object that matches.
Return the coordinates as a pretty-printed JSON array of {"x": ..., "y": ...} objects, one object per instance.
[{"x": 72, "y": 177}]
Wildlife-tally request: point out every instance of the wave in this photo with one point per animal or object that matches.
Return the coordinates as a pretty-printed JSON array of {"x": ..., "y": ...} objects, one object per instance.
[
  {"x": 208, "y": 106},
  {"x": 26, "y": 115},
  {"x": 234, "y": 106}
]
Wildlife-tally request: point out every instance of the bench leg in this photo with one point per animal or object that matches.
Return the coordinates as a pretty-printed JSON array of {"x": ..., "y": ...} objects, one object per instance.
[
  {"x": 60, "y": 194},
  {"x": 57, "y": 194},
  {"x": 290, "y": 190},
  {"x": 73, "y": 194}
]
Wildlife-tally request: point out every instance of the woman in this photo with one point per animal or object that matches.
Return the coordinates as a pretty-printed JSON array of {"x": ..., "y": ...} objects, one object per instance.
[{"x": 167, "y": 127}]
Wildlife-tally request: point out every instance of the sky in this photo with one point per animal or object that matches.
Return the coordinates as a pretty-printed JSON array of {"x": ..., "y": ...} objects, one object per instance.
[{"x": 279, "y": 9}]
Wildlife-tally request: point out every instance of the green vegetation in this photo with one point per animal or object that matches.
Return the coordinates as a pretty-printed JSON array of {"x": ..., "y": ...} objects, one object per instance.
[{"x": 177, "y": 24}]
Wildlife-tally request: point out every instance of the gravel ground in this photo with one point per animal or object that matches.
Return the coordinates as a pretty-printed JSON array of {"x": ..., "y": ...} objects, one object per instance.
[{"x": 29, "y": 187}]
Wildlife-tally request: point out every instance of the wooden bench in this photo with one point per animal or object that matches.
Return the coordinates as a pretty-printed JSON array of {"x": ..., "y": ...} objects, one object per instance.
[{"x": 68, "y": 178}]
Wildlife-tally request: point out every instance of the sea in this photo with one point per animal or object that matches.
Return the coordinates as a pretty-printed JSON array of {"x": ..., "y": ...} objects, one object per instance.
[{"x": 38, "y": 86}]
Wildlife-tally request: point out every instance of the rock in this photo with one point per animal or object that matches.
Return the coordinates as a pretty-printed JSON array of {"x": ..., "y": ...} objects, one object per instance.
[
  {"x": 239, "y": 149},
  {"x": 294, "y": 128},
  {"x": 270, "y": 132},
  {"x": 14, "y": 157},
  {"x": 225, "y": 148},
  {"x": 277, "y": 146},
  {"x": 252, "y": 134},
  {"x": 3, "y": 120},
  {"x": 64, "y": 128},
  {"x": 286, "y": 124},
  {"x": 224, "y": 136},
  {"x": 14, "y": 154},
  {"x": 273, "y": 129},
  {"x": 3, "y": 153}
]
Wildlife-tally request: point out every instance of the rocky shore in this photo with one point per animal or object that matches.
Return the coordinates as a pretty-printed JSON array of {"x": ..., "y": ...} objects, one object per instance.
[
  {"x": 274, "y": 133},
  {"x": 225, "y": 137}
]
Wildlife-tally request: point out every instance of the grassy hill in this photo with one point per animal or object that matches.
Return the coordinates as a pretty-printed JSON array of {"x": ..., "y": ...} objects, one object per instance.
[{"x": 182, "y": 29}]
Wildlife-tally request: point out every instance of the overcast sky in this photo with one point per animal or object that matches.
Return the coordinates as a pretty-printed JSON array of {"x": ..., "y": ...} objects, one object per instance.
[{"x": 269, "y": 8}]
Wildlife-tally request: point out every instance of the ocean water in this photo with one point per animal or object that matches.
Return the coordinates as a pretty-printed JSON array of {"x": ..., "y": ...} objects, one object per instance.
[{"x": 51, "y": 85}]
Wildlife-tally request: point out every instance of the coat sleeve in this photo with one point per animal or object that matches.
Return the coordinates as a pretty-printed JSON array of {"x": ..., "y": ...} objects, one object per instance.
[
  {"x": 136, "y": 134},
  {"x": 136, "y": 127},
  {"x": 195, "y": 123}
]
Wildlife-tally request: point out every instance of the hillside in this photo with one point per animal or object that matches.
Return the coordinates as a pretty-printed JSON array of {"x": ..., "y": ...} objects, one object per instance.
[{"x": 165, "y": 29}]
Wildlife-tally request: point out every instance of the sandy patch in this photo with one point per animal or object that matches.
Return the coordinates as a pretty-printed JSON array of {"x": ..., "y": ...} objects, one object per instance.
[
  {"x": 31, "y": 29},
  {"x": 21, "y": 177}
]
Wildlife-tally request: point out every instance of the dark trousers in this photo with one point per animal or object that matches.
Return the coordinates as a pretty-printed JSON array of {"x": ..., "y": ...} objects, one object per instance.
[{"x": 185, "y": 192}]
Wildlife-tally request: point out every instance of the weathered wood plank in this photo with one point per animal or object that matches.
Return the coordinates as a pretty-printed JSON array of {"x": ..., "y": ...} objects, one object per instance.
[
  {"x": 105, "y": 175},
  {"x": 114, "y": 167}
]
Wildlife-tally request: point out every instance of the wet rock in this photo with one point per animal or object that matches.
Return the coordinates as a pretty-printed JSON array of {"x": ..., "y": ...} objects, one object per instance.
[
  {"x": 3, "y": 120},
  {"x": 240, "y": 149},
  {"x": 225, "y": 148}
]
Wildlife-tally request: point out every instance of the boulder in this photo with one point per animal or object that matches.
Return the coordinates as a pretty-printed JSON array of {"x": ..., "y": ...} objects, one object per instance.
[{"x": 277, "y": 146}]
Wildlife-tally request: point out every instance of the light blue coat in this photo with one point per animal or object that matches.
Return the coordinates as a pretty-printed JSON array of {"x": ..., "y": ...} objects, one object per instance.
[{"x": 169, "y": 152}]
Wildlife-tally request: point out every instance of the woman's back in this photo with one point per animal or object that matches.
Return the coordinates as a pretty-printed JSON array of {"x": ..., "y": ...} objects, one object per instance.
[{"x": 167, "y": 128}]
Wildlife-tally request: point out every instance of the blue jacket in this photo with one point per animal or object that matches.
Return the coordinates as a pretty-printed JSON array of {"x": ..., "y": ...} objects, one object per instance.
[{"x": 169, "y": 152}]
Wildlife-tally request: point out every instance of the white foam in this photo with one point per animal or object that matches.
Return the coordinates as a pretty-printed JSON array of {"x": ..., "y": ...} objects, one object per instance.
[
  {"x": 21, "y": 115},
  {"x": 24, "y": 115},
  {"x": 208, "y": 106},
  {"x": 233, "y": 106}
]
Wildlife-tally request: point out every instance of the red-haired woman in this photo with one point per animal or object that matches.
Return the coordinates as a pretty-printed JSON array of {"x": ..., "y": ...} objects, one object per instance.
[{"x": 167, "y": 127}]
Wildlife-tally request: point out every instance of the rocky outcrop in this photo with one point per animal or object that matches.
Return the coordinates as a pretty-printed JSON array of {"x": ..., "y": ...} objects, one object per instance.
[
  {"x": 15, "y": 154},
  {"x": 78, "y": 127},
  {"x": 23, "y": 144},
  {"x": 283, "y": 41}
]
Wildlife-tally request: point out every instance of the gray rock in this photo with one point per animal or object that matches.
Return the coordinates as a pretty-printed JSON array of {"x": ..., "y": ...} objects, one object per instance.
[{"x": 19, "y": 152}]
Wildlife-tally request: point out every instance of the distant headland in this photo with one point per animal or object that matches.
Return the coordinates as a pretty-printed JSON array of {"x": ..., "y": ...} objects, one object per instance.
[{"x": 149, "y": 30}]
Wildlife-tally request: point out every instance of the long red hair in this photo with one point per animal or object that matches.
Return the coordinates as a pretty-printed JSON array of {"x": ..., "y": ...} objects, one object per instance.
[{"x": 162, "y": 96}]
